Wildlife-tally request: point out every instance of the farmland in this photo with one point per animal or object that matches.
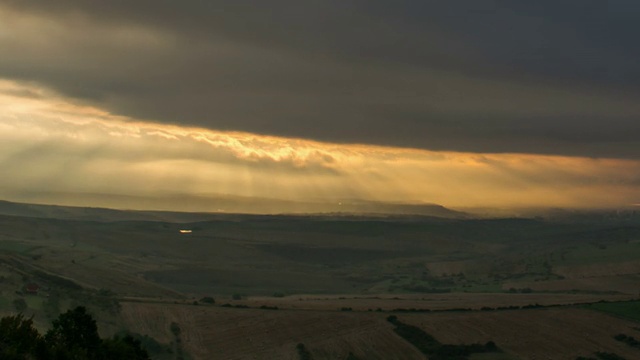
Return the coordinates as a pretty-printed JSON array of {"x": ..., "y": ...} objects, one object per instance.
[
  {"x": 533, "y": 286},
  {"x": 215, "y": 332}
]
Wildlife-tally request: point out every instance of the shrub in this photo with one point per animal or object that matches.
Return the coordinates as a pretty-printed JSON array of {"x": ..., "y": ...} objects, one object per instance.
[{"x": 208, "y": 300}]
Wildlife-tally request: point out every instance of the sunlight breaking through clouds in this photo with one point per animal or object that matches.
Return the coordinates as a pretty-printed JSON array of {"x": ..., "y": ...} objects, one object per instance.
[{"x": 51, "y": 144}]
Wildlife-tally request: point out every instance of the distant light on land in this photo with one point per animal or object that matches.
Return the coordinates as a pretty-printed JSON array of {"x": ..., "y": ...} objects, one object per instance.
[{"x": 185, "y": 231}]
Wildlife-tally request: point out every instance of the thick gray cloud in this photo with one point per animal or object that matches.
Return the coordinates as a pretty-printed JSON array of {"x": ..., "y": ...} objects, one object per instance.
[{"x": 492, "y": 76}]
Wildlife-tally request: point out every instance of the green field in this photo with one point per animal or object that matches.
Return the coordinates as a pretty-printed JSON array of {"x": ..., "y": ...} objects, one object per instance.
[{"x": 627, "y": 309}]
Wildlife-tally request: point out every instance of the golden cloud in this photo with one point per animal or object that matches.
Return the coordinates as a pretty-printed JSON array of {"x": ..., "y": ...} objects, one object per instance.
[{"x": 50, "y": 143}]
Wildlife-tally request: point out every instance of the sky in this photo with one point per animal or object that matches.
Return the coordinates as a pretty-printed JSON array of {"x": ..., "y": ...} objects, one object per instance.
[{"x": 460, "y": 103}]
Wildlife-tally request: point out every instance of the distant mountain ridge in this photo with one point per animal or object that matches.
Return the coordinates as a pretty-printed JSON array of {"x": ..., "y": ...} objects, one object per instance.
[{"x": 342, "y": 209}]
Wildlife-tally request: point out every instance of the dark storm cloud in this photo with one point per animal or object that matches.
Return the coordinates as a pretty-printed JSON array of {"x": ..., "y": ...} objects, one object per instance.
[{"x": 492, "y": 76}]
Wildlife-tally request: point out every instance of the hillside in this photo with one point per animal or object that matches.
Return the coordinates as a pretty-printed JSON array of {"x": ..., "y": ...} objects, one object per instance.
[{"x": 332, "y": 279}]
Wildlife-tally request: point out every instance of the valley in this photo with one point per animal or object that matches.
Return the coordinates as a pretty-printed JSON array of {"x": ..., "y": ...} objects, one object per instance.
[{"x": 246, "y": 286}]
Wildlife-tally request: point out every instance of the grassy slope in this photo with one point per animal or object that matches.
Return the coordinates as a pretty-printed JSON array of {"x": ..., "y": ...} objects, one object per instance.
[{"x": 262, "y": 255}]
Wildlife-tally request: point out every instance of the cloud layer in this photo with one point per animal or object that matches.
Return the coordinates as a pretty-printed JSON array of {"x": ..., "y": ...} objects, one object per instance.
[
  {"x": 496, "y": 77},
  {"x": 51, "y": 144}
]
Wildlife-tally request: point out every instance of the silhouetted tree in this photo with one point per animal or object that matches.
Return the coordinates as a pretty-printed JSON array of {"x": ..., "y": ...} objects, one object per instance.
[
  {"x": 18, "y": 338},
  {"x": 74, "y": 333},
  {"x": 73, "y": 336}
]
